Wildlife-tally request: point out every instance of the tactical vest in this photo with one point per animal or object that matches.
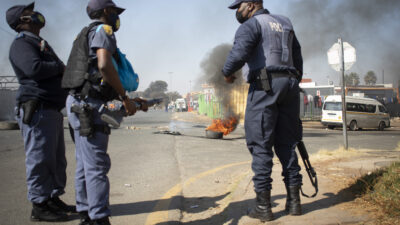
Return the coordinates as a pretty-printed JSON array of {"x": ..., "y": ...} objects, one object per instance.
[
  {"x": 274, "y": 50},
  {"x": 77, "y": 69}
]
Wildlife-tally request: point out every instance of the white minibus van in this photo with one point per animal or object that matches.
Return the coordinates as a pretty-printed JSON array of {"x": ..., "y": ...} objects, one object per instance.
[{"x": 361, "y": 113}]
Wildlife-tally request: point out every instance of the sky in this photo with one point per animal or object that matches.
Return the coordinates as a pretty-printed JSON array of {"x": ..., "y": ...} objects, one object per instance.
[{"x": 168, "y": 40}]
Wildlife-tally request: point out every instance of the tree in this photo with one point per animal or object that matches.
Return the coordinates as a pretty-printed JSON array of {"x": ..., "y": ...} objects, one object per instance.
[
  {"x": 156, "y": 89},
  {"x": 352, "y": 79},
  {"x": 370, "y": 78},
  {"x": 173, "y": 96}
]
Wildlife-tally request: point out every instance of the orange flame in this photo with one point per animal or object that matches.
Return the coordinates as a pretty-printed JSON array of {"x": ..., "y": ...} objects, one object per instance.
[{"x": 225, "y": 126}]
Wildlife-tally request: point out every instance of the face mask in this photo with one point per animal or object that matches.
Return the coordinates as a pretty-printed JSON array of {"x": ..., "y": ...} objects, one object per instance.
[
  {"x": 115, "y": 21},
  {"x": 36, "y": 18},
  {"x": 240, "y": 18}
]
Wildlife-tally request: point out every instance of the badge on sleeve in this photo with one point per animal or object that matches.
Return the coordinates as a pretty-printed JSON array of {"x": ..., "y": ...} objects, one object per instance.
[{"x": 108, "y": 29}]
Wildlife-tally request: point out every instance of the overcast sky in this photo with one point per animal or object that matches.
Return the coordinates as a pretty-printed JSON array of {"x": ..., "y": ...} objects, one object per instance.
[{"x": 167, "y": 40}]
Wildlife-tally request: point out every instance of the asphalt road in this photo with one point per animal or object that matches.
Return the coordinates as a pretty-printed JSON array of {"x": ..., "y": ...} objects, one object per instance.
[{"x": 147, "y": 168}]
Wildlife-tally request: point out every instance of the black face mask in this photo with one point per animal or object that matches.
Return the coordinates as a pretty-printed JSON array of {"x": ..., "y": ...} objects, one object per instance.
[
  {"x": 240, "y": 18},
  {"x": 115, "y": 23}
]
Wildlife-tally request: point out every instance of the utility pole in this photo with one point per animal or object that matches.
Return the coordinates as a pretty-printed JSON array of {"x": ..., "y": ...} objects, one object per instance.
[
  {"x": 383, "y": 77},
  {"x": 344, "y": 117}
]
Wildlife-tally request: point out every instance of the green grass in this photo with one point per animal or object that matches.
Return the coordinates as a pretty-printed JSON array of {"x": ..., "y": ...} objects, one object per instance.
[{"x": 382, "y": 190}]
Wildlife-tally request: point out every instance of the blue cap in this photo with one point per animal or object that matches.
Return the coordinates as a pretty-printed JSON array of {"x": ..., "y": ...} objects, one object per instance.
[
  {"x": 14, "y": 13},
  {"x": 237, "y": 3},
  {"x": 96, "y": 5}
]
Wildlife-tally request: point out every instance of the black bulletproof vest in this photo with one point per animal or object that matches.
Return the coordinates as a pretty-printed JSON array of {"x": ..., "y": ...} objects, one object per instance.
[{"x": 76, "y": 72}]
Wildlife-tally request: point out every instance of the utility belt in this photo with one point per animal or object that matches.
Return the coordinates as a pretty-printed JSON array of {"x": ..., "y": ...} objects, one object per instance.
[
  {"x": 87, "y": 128},
  {"x": 94, "y": 87},
  {"x": 31, "y": 106},
  {"x": 263, "y": 80}
]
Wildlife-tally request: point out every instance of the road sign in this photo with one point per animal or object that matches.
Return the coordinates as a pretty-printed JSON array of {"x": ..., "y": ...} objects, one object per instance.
[{"x": 334, "y": 57}]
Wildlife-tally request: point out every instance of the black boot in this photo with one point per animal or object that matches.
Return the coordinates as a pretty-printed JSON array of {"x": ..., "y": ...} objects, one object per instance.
[
  {"x": 58, "y": 205},
  {"x": 293, "y": 206},
  {"x": 42, "y": 212},
  {"x": 262, "y": 210},
  {"x": 103, "y": 221},
  {"x": 85, "y": 219}
]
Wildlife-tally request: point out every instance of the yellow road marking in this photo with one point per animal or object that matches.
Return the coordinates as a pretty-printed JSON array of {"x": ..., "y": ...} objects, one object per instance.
[{"x": 160, "y": 211}]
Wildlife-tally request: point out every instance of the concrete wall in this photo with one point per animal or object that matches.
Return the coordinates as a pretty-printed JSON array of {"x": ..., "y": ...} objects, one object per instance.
[{"x": 7, "y": 104}]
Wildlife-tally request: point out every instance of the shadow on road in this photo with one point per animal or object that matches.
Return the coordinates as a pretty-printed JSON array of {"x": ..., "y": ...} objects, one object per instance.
[
  {"x": 174, "y": 203},
  {"x": 236, "y": 210}
]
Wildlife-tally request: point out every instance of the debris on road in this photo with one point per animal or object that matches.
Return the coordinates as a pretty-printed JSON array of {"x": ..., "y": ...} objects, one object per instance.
[{"x": 174, "y": 133}]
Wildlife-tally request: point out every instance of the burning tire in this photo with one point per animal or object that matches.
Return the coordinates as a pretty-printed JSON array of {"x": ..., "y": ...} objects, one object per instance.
[{"x": 214, "y": 135}]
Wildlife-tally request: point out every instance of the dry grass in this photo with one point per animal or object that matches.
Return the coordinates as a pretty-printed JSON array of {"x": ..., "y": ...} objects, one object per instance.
[
  {"x": 381, "y": 191},
  {"x": 323, "y": 154},
  {"x": 398, "y": 147}
]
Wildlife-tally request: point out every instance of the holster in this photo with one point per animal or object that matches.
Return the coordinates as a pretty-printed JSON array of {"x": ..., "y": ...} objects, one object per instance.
[
  {"x": 87, "y": 126},
  {"x": 29, "y": 107},
  {"x": 85, "y": 116},
  {"x": 264, "y": 81}
]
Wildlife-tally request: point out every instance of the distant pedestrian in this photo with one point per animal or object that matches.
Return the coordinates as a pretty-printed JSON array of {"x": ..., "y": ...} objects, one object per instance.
[
  {"x": 267, "y": 43},
  {"x": 39, "y": 102}
]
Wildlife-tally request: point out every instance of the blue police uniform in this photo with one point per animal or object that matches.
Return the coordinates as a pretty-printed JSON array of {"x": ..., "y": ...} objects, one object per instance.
[
  {"x": 92, "y": 161},
  {"x": 39, "y": 72},
  {"x": 272, "y": 118}
]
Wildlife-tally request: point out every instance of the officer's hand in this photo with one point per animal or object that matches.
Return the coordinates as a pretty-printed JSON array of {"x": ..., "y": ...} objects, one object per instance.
[
  {"x": 130, "y": 107},
  {"x": 143, "y": 103},
  {"x": 230, "y": 79}
]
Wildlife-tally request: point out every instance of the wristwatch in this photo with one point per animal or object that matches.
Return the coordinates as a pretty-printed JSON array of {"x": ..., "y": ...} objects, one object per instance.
[{"x": 123, "y": 98}]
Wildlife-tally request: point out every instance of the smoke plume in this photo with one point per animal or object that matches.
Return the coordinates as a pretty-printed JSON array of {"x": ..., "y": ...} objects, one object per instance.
[
  {"x": 371, "y": 26},
  {"x": 211, "y": 67}
]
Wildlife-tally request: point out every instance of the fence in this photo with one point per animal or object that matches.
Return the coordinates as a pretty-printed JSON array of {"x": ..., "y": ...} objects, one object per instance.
[
  {"x": 7, "y": 99},
  {"x": 210, "y": 106}
]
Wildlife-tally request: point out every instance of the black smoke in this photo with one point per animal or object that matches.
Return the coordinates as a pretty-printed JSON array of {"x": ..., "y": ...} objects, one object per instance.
[
  {"x": 371, "y": 26},
  {"x": 212, "y": 74}
]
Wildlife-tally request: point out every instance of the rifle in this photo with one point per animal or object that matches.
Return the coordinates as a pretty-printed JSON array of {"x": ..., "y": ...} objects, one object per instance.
[
  {"x": 114, "y": 116},
  {"x": 310, "y": 170}
]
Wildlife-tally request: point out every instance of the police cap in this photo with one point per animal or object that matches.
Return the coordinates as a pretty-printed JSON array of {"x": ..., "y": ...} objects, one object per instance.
[
  {"x": 14, "y": 13},
  {"x": 237, "y": 3},
  {"x": 96, "y": 5}
]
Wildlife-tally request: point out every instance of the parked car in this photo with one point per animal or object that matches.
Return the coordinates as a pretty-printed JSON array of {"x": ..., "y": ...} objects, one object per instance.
[
  {"x": 180, "y": 105},
  {"x": 361, "y": 113}
]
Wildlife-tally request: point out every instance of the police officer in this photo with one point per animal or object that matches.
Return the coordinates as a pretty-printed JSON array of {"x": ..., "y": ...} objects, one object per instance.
[
  {"x": 266, "y": 43},
  {"x": 93, "y": 163},
  {"x": 39, "y": 101}
]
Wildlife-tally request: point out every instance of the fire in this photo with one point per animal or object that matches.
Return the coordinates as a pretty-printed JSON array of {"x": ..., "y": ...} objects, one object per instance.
[{"x": 225, "y": 126}]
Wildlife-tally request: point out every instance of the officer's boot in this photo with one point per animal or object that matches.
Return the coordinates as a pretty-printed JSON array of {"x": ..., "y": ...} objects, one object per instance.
[
  {"x": 293, "y": 206},
  {"x": 42, "y": 212},
  {"x": 103, "y": 221},
  {"x": 56, "y": 204},
  {"x": 85, "y": 219},
  {"x": 262, "y": 209}
]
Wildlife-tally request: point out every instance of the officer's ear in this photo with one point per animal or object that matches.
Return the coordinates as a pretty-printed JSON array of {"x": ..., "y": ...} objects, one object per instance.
[{"x": 250, "y": 6}]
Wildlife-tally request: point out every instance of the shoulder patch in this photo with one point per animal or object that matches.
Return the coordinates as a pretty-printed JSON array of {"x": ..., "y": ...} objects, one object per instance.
[{"x": 108, "y": 29}]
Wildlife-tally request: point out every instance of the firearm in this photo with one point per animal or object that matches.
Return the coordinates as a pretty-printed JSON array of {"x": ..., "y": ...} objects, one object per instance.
[
  {"x": 310, "y": 170},
  {"x": 114, "y": 116}
]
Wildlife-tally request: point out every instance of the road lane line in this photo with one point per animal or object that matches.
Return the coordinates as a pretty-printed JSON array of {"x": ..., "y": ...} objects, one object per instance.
[{"x": 160, "y": 211}]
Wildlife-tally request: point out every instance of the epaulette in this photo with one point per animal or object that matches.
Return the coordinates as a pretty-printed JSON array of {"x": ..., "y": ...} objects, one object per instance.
[{"x": 107, "y": 29}]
